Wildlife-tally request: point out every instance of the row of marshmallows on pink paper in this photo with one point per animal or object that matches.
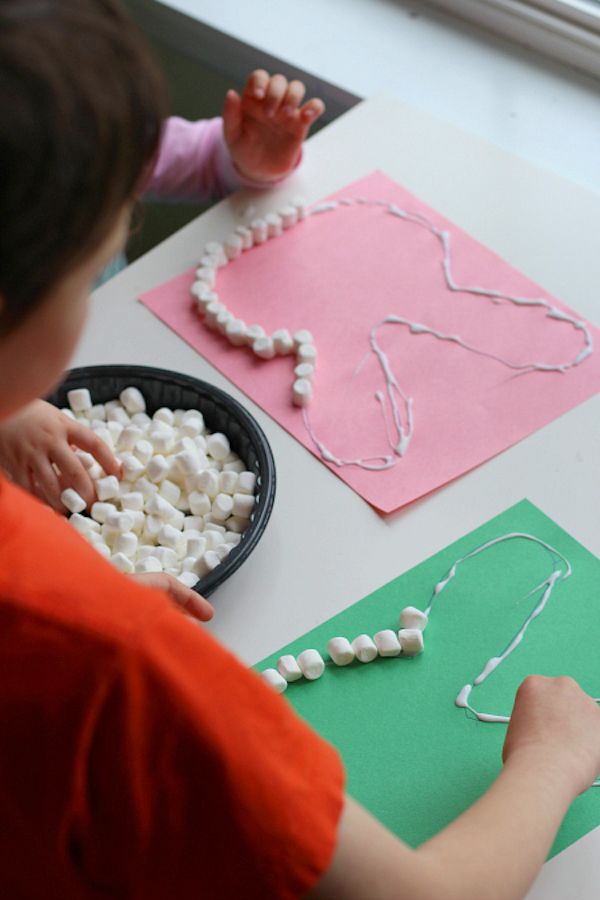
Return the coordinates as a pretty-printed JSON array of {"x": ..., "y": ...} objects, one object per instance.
[
  {"x": 184, "y": 499},
  {"x": 309, "y": 664},
  {"x": 218, "y": 318}
]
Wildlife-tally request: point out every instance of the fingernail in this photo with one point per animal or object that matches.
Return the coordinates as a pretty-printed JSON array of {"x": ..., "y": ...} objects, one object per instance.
[
  {"x": 259, "y": 93},
  {"x": 288, "y": 110},
  {"x": 309, "y": 113}
]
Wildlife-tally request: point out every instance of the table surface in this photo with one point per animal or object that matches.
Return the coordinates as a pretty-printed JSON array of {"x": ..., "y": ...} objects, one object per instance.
[{"x": 325, "y": 548}]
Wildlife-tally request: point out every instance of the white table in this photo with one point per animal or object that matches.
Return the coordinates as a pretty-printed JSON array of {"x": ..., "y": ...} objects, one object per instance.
[{"x": 325, "y": 548}]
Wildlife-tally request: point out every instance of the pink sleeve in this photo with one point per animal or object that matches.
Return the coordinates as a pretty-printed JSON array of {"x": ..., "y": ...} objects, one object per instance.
[{"x": 194, "y": 164}]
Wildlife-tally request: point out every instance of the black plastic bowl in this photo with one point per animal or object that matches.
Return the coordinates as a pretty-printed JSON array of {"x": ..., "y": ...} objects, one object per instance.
[{"x": 221, "y": 412}]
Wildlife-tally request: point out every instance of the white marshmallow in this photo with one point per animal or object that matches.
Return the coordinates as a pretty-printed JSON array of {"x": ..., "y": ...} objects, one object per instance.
[
  {"x": 387, "y": 643},
  {"x": 340, "y": 651},
  {"x": 194, "y": 522},
  {"x": 222, "y": 321},
  {"x": 233, "y": 246},
  {"x": 242, "y": 505},
  {"x": 100, "y": 511},
  {"x": 411, "y": 617},
  {"x": 206, "y": 275},
  {"x": 246, "y": 236},
  {"x": 253, "y": 332},
  {"x": 102, "y": 548},
  {"x": 170, "y": 491},
  {"x": 166, "y": 556},
  {"x": 126, "y": 543},
  {"x": 158, "y": 506},
  {"x": 214, "y": 248},
  {"x": 143, "y": 450},
  {"x": 289, "y": 216},
  {"x": 133, "y": 400},
  {"x": 118, "y": 414},
  {"x": 236, "y": 466},
  {"x": 188, "y": 462},
  {"x": 157, "y": 468},
  {"x": 311, "y": 664},
  {"x": 148, "y": 564},
  {"x": 97, "y": 412},
  {"x": 73, "y": 501},
  {"x": 139, "y": 519},
  {"x": 86, "y": 459},
  {"x": 246, "y": 482},
  {"x": 232, "y": 537},
  {"x": 301, "y": 206},
  {"x": 211, "y": 560},
  {"x": 222, "y": 506},
  {"x": 302, "y": 392},
  {"x": 170, "y": 537},
  {"x": 236, "y": 332},
  {"x": 365, "y": 649},
  {"x": 207, "y": 482},
  {"x": 142, "y": 420},
  {"x": 152, "y": 527},
  {"x": 119, "y": 521},
  {"x": 289, "y": 668},
  {"x": 303, "y": 336},
  {"x": 132, "y": 467},
  {"x": 107, "y": 488},
  {"x": 190, "y": 579},
  {"x": 122, "y": 562},
  {"x": 304, "y": 370},
  {"x": 263, "y": 347},
  {"x": 274, "y": 225},
  {"x": 222, "y": 550},
  {"x": 217, "y": 445},
  {"x": 79, "y": 399},
  {"x": 196, "y": 546},
  {"x": 83, "y": 524},
  {"x": 307, "y": 353},
  {"x": 274, "y": 680},
  {"x": 282, "y": 342},
  {"x": 228, "y": 482},
  {"x": 236, "y": 524},
  {"x": 192, "y": 424},
  {"x": 128, "y": 437},
  {"x": 146, "y": 488},
  {"x": 162, "y": 437},
  {"x": 260, "y": 231},
  {"x": 164, "y": 414},
  {"x": 411, "y": 641}
]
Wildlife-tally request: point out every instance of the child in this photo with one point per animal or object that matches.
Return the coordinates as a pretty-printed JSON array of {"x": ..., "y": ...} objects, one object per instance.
[
  {"x": 138, "y": 759},
  {"x": 256, "y": 143}
]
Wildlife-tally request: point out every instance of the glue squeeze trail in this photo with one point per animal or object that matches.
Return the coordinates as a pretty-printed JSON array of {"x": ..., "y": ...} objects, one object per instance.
[{"x": 401, "y": 405}]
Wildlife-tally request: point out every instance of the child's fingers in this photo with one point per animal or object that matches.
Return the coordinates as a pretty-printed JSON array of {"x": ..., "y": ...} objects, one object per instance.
[
  {"x": 88, "y": 440},
  {"x": 311, "y": 110},
  {"x": 232, "y": 117},
  {"x": 293, "y": 97},
  {"x": 47, "y": 481},
  {"x": 276, "y": 91},
  {"x": 73, "y": 473},
  {"x": 256, "y": 86},
  {"x": 194, "y": 604}
]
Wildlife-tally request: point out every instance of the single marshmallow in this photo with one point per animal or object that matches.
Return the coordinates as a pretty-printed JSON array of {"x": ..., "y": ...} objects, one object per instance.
[
  {"x": 196, "y": 546},
  {"x": 222, "y": 506},
  {"x": 214, "y": 248},
  {"x": 228, "y": 482},
  {"x": 119, "y": 521},
  {"x": 118, "y": 414},
  {"x": 222, "y": 550},
  {"x": 233, "y": 246},
  {"x": 211, "y": 311},
  {"x": 232, "y": 537},
  {"x": 157, "y": 468},
  {"x": 246, "y": 482},
  {"x": 146, "y": 488},
  {"x": 139, "y": 519},
  {"x": 166, "y": 556},
  {"x": 190, "y": 579},
  {"x": 84, "y": 525},
  {"x": 411, "y": 641},
  {"x": 107, "y": 488},
  {"x": 188, "y": 462},
  {"x": 126, "y": 543},
  {"x": 194, "y": 522},
  {"x": 260, "y": 231},
  {"x": 274, "y": 680},
  {"x": 253, "y": 332},
  {"x": 152, "y": 526},
  {"x": 274, "y": 225},
  {"x": 207, "y": 482},
  {"x": 79, "y": 400},
  {"x": 144, "y": 450},
  {"x": 242, "y": 505},
  {"x": 302, "y": 337},
  {"x": 132, "y": 467},
  {"x": 311, "y": 664},
  {"x": 340, "y": 651},
  {"x": 217, "y": 445},
  {"x": 282, "y": 342},
  {"x": 235, "y": 466},
  {"x": 97, "y": 412},
  {"x": 263, "y": 347},
  {"x": 73, "y": 501},
  {"x": 169, "y": 537},
  {"x": 246, "y": 236},
  {"x": 192, "y": 424},
  {"x": 304, "y": 370},
  {"x": 301, "y": 207},
  {"x": 211, "y": 560},
  {"x": 102, "y": 548},
  {"x": 222, "y": 321},
  {"x": 387, "y": 643},
  {"x": 307, "y": 353},
  {"x": 159, "y": 506},
  {"x": 148, "y": 564},
  {"x": 100, "y": 511},
  {"x": 289, "y": 216},
  {"x": 142, "y": 420},
  {"x": 122, "y": 562},
  {"x": 86, "y": 459},
  {"x": 207, "y": 275},
  {"x": 365, "y": 649},
  {"x": 235, "y": 523},
  {"x": 96, "y": 471},
  {"x": 200, "y": 503},
  {"x": 170, "y": 491},
  {"x": 133, "y": 400},
  {"x": 289, "y": 668},
  {"x": 302, "y": 392},
  {"x": 162, "y": 438},
  {"x": 164, "y": 414},
  {"x": 411, "y": 617},
  {"x": 236, "y": 332},
  {"x": 129, "y": 437}
]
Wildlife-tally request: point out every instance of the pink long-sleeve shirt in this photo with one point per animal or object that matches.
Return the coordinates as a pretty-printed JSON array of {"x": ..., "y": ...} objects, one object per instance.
[{"x": 194, "y": 164}]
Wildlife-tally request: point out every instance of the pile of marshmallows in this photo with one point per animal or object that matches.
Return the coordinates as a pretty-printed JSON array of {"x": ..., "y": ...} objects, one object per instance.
[
  {"x": 184, "y": 501},
  {"x": 218, "y": 318},
  {"x": 310, "y": 664}
]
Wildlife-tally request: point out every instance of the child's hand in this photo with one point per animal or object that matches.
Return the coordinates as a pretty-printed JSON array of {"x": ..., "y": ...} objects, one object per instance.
[
  {"x": 265, "y": 127},
  {"x": 558, "y": 726},
  {"x": 41, "y": 437},
  {"x": 192, "y": 603}
]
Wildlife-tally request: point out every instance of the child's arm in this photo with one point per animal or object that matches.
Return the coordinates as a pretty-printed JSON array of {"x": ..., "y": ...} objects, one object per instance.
[
  {"x": 256, "y": 143},
  {"x": 40, "y": 438},
  {"x": 495, "y": 849}
]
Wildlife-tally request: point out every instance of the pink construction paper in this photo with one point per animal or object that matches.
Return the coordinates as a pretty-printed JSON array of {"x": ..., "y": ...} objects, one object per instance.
[{"x": 338, "y": 274}]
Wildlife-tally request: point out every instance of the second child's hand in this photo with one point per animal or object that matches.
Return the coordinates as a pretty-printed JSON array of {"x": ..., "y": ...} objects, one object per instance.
[{"x": 265, "y": 126}]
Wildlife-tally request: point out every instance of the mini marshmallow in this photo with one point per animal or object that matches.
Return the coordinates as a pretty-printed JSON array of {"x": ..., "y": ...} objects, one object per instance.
[
  {"x": 152, "y": 527},
  {"x": 222, "y": 506},
  {"x": 158, "y": 506},
  {"x": 246, "y": 483},
  {"x": 115, "y": 428},
  {"x": 274, "y": 680},
  {"x": 222, "y": 321},
  {"x": 206, "y": 275},
  {"x": 122, "y": 562},
  {"x": 83, "y": 524},
  {"x": 107, "y": 488},
  {"x": 211, "y": 311},
  {"x": 211, "y": 560},
  {"x": 86, "y": 459},
  {"x": 242, "y": 505},
  {"x": 100, "y": 511},
  {"x": 217, "y": 445},
  {"x": 222, "y": 550},
  {"x": 118, "y": 414},
  {"x": 73, "y": 501},
  {"x": 192, "y": 424},
  {"x": 387, "y": 643},
  {"x": 304, "y": 370},
  {"x": 97, "y": 412},
  {"x": 214, "y": 248},
  {"x": 119, "y": 521},
  {"x": 164, "y": 414},
  {"x": 260, "y": 231},
  {"x": 194, "y": 522},
  {"x": 133, "y": 400},
  {"x": 207, "y": 482},
  {"x": 79, "y": 400},
  {"x": 289, "y": 668},
  {"x": 236, "y": 332},
  {"x": 162, "y": 438},
  {"x": 282, "y": 342},
  {"x": 170, "y": 491},
  {"x": 142, "y": 420},
  {"x": 131, "y": 466},
  {"x": 411, "y": 617},
  {"x": 128, "y": 437},
  {"x": 146, "y": 488},
  {"x": 307, "y": 353},
  {"x": 411, "y": 641},
  {"x": 188, "y": 462},
  {"x": 196, "y": 546},
  {"x": 126, "y": 543},
  {"x": 157, "y": 468},
  {"x": 233, "y": 246},
  {"x": 340, "y": 651},
  {"x": 139, "y": 519},
  {"x": 311, "y": 664},
  {"x": 228, "y": 482},
  {"x": 148, "y": 564},
  {"x": 235, "y": 466},
  {"x": 365, "y": 649},
  {"x": 253, "y": 332},
  {"x": 143, "y": 450},
  {"x": 274, "y": 225},
  {"x": 302, "y": 337},
  {"x": 289, "y": 216},
  {"x": 263, "y": 347},
  {"x": 166, "y": 556},
  {"x": 211, "y": 525},
  {"x": 170, "y": 537},
  {"x": 102, "y": 548},
  {"x": 232, "y": 538},
  {"x": 301, "y": 207},
  {"x": 301, "y": 392},
  {"x": 236, "y": 524},
  {"x": 96, "y": 471},
  {"x": 190, "y": 579},
  {"x": 246, "y": 236}
]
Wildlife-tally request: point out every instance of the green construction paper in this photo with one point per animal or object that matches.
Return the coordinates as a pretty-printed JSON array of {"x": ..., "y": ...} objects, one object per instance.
[{"x": 412, "y": 757}]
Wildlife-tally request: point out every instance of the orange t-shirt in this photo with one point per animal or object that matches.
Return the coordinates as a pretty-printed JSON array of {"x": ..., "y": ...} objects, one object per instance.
[{"x": 138, "y": 758}]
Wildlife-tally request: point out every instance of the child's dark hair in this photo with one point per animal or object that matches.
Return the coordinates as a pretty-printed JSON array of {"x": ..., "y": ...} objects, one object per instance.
[{"x": 81, "y": 105}]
